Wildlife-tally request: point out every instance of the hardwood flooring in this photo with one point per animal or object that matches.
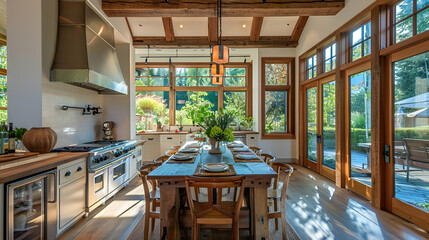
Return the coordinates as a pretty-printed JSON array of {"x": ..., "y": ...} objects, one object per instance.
[{"x": 317, "y": 209}]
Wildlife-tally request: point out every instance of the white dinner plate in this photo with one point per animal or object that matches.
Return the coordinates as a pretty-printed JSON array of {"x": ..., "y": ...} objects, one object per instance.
[
  {"x": 181, "y": 157},
  {"x": 235, "y": 145},
  {"x": 241, "y": 149},
  {"x": 247, "y": 156},
  {"x": 188, "y": 150},
  {"x": 215, "y": 167}
]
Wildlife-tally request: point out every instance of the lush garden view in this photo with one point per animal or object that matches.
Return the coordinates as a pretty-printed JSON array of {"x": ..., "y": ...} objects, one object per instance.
[{"x": 3, "y": 84}]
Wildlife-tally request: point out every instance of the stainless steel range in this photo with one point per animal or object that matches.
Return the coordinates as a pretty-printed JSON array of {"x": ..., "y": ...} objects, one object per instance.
[{"x": 111, "y": 165}]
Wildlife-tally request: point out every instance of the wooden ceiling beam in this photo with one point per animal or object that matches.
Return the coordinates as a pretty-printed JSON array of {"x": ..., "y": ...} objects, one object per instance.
[
  {"x": 299, "y": 27},
  {"x": 213, "y": 29},
  {"x": 203, "y": 42},
  {"x": 168, "y": 29},
  {"x": 129, "y": 27},
  {"x": 255, "y": 32},
  {"x": 230, "y": 8}
]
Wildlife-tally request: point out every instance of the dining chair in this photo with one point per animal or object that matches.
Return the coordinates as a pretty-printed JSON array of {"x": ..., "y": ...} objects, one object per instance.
[
  {"x": 171, "y": 152},
  {"x": 256, "y": 150},
  {"x": 151, "y": 196},
  {"x": 268, "y": 158},
  {"x": 211, "y": 212},
  {"x": 284, "y": 172},
  {"x": 160, "y": 160}
]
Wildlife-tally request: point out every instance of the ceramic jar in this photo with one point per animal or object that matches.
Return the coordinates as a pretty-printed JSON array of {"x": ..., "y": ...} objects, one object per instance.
[{"x": 40, "y": 139}]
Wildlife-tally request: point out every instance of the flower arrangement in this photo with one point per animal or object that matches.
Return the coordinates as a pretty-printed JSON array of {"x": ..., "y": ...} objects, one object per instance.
[{"x": 217, "y": 127}]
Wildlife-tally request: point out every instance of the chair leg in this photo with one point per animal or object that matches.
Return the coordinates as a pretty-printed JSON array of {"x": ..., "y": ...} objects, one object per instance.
[
  {"x": 235, "y": 231},
  {"x": 152, "y": 220},
  {"x": 146, "y": 226},
  {"x": 195, "y": 234},
  {"x": 283, "y": 218},
  {"x": 276, "y": 208},
  {"x": 408, "y": 170}
]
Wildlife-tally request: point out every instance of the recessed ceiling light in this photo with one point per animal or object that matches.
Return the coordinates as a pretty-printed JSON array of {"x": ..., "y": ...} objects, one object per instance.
[
  {"x": 140, "y": 25},
  {"x": 287, "y": 24},
  {"x": 244, "y": 26},
  {"x": 181, "y": 26}
]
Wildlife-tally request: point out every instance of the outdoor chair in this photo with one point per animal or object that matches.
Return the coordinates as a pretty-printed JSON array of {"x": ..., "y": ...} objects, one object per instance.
[{"x": 417, "y": 151}]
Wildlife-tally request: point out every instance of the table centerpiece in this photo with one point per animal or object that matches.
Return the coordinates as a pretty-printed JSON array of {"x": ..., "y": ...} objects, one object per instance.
[{"x": 217, "y": 129}]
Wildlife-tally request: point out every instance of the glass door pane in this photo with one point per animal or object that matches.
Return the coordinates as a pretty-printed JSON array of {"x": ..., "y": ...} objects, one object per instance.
[
  {"x": 328, "y": 128},
  {"x": 360, "y": 127},
  {"x": 28, "y": 211},
  {"x": 311, "y": 109},
  {"x": 411, "y": 130}
]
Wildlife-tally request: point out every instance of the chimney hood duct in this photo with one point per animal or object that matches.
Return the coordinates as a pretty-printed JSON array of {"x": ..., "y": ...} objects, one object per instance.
[{"x": 86, "y": 54}]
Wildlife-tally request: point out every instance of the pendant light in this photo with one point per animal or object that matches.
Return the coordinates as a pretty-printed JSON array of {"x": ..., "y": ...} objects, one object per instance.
[
  {"x": 217, "y": 73},
  {"x": 220, "y": 53}
]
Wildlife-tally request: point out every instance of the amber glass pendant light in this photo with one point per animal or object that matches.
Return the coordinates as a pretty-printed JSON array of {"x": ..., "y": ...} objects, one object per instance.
[
  {"x": 217, "y": 73},
  {"x": 220, "y": 53},
  {"x": 217, "y": 80}
]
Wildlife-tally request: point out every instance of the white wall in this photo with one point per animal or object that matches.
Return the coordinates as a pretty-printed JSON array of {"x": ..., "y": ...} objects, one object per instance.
[{"x": 35, "y": 101}]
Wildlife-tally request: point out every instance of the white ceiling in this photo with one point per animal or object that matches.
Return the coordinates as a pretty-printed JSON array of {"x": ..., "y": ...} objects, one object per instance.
[{"x": 198, "y": 26}]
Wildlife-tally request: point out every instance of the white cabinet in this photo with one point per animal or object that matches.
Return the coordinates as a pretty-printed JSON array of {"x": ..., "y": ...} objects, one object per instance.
[
  {"x": 168, "y": 141},
  {"x": 252, "y": 140},
  {"x": 157, "y": 144},
  {"x": 71, "y": 193}
]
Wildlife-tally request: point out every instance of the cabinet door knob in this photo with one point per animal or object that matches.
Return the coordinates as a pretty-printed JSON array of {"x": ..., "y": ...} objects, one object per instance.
[
  {"x": 79, "y": 169},
  {"x": 169, "y": 138},
  {"x": 68, "y": 173}
]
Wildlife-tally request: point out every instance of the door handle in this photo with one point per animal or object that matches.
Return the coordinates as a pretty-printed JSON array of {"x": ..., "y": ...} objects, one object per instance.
[
  {"x": 53, "y": 175},
  {"x": 386, "y": 153},
  {"x": 319, "y": 138}
]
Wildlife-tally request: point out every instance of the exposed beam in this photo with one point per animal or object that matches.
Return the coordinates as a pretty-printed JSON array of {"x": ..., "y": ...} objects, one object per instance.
[
  {"x": 230, "y": 8},
  {"x": 129, "y": 27},
  {"x": 234, "y": 42},
  {"x": 255, "y": 32},
  {"x": 213, "y": 29},
  {"x": 168, "y": 29},
  {"x": 299, "y": 27}
]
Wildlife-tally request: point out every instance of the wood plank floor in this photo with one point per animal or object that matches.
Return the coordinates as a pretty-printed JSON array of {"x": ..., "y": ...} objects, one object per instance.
[{"x": 317, "y": 209}]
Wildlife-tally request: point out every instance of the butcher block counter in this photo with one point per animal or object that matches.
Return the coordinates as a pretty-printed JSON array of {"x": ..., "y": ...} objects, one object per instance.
[{"x": 24, "y": 167}]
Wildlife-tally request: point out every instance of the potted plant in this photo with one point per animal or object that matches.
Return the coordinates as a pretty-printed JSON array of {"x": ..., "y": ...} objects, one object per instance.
[
  {"x": 218, "y": 130},
  {"x": 247, "y": 123}
]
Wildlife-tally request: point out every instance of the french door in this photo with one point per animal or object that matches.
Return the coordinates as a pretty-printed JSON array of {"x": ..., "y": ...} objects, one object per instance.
[
  {"x": 407, "y": 133},
  {"x": 358, "y": 130},
  {"x": 319, "y": 132}
]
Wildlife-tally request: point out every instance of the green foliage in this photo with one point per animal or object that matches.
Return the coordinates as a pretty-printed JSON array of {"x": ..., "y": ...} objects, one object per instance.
[
  {"x": 357, "y": 120},
  {"x": 19, "y": 132},
  {"x": 197, "y": 108},
  {"x": 247, "y": 123},
  {"x": 235, "y": 102},
  {"x": 150, "y": 105},
  {"x": 424, "y": 205},
  {"x": 147, "y": 104},
  {"x": 217, "y": 125}
]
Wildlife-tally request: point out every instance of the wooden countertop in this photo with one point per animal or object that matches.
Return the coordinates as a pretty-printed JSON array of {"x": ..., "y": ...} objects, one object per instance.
[
  {"x": 184, "y": 132},
  {"x": 38, "y": 164}
]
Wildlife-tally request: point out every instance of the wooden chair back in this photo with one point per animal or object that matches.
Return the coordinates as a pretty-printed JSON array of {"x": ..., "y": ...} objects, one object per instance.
[
  {"x": 284, "y": 172},
  {"x": 256, "y": 150},
  {"x": 268, "y": 158},
  {"x": 144, "y": 171},
  {"x": 217, "y": 184},
  {"x": 417, "y": 150},
  {"x": 160, "y": 160},
  {"x": 171, "y": 152}
]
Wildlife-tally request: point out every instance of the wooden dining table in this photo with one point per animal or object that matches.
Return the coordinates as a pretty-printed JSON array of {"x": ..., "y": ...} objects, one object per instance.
[{"x": 171, "y": 178}]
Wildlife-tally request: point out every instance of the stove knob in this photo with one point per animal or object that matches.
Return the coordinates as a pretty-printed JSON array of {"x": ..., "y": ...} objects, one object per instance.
[
  {"x": 105, "y": 158},
  {"x": 116, "y": 154},
  {"x": 126, "y": 150},
  {"x": 96, "y": 159}
]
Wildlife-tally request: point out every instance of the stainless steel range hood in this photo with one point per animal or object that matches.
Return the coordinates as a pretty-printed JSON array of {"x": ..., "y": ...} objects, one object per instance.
[{"x": 86, "y": 54}]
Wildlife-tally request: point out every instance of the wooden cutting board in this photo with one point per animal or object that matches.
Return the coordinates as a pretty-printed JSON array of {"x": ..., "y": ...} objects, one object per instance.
[{"x": 15, "y": 156}]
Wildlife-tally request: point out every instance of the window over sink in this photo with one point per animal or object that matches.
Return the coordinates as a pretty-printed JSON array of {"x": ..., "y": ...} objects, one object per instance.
[{"x": 165, "y": 93}]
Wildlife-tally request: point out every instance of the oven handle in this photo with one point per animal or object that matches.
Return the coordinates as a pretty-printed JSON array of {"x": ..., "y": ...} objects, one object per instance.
[
  {"x": 110, "y": 164},
  {"x": 53, "y": 175}
]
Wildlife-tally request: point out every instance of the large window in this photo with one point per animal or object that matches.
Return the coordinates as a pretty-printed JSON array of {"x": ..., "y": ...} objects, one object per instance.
[
  {"x": 411, "y": 18},
  {"x": 3, "y": 83},
  {"x": 169, "y": 94},
  {"x": 278, "y": 96},
  {"x": 361, "y": 41}
]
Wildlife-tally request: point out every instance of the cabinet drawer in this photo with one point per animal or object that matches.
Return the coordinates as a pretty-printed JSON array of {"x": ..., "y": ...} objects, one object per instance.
[
  {"x": 71, "y": 202},
  {"x": 170, "y": 138},
  {"x": 151, "y": 138},
  {"x": 72, "y": 172}
]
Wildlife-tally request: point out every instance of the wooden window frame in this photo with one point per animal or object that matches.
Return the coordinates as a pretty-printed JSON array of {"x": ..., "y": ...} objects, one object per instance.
[
  {"x": 413, "y": 15},
  {"x": 331, "y": 45},
  {"x": 290, "y": 89},
  {"x": 361, "y": 43},
  {"x": 172, "y": 88},
  {"x": 314, "y": 67}
]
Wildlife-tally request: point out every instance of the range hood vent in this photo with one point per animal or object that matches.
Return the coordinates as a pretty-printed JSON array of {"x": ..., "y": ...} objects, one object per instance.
[{"x": 86, "y": 54}]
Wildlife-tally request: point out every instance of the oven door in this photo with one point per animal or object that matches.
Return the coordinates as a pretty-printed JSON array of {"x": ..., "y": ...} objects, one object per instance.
[
  {"x": 97, "y": 186},
  {"x": 118, "y": 173}
]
